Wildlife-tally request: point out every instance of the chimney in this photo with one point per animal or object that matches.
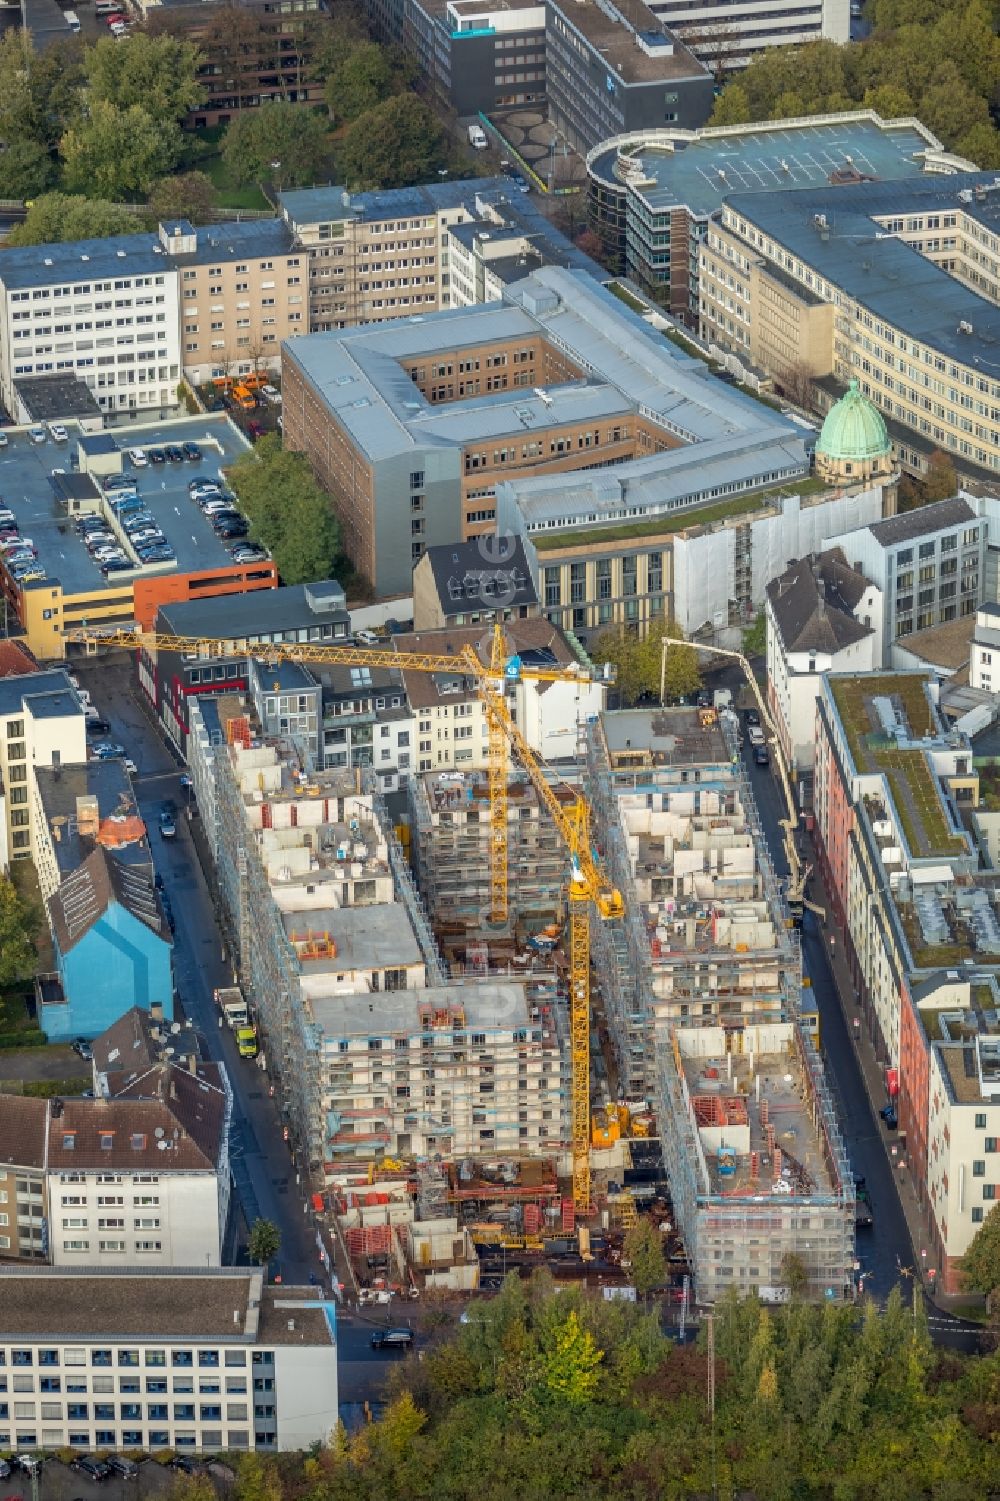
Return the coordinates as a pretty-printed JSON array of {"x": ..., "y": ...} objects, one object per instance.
[
  {"x": 156, "y": 1011},
  {"x": 192, "y": 1063},
  {"x": 173, "y": 1089}
]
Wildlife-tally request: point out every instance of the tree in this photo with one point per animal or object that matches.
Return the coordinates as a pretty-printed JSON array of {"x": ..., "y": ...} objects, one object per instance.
[
  {"x": 683, "y": 675},
  {"x": 117, "y": 153},
  {"x": 643, "y": 1250},
  {"x": 264, "y": 1241},
  {"x": 257, "y": 1479},
  {"x": 889, "y": 100},
  {"x": 570, "y": 1363},
  {"x": 159, "y": 73},
  {"x": 732, "y": 107},
  {"x": 980, "y": 145},
  {"x": 362, "y": 80},
  {"x": 794, "y": 1273},
  {"x": 40, "y": 93},
  {"x": 190, "y": 195},
  {"x": 17, "y": 951},
  {"x": 755, "y": 637},
  {"x": 280, "y": 142},
  {"x": 57, "y": 217},
  {"x": 399, "y": 142},
  {"x": 981, "y": 1262},
  {"x": 26, "y": 167},
  {"x": 940, "y": 481},
  {"x": 290, "y": 514}
]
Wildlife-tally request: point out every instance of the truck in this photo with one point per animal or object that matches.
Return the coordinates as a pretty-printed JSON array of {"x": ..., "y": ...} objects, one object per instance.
[
  {"x": 229, "y": 998},
  {"x": 477, "y": 138},
  {"x": 246, "y": 1041}
]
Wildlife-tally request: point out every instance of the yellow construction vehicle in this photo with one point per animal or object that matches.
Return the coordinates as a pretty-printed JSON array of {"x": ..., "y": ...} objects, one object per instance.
[{"x": 588, "y": 887}]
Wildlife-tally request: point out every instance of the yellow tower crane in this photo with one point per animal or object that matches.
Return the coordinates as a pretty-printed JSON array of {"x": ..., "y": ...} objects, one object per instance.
[{"x": 587, "y": 887}]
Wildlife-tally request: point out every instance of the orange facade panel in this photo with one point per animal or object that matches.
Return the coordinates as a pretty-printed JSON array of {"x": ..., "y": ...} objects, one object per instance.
[{"x": 167, "y": 589}]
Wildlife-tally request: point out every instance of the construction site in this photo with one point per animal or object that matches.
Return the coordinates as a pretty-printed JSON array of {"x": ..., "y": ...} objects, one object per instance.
[{"x": 534, "y": 1000}]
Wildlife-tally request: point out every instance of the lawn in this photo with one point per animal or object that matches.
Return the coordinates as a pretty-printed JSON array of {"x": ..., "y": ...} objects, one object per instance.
[
  {"x": 231, "y": 194},
  {"x": 676, "y": 521}
]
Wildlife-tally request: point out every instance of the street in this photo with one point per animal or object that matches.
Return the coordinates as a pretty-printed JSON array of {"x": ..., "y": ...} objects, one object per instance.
[{"x": 263, "y": 1171}]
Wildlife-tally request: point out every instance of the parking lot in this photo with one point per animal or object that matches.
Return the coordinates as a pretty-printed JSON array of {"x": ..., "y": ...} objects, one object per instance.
[
  {"x": 24, "y": 487},
  {"x": 58, "y": 1482}
]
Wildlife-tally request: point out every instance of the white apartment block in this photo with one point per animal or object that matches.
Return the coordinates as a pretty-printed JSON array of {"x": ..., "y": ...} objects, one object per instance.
[
  {"x": 195, "y": 1361},
  {"x": 963, "y": 1161},
  {"x": 104, "y": 311},
  {"x": 41, "y": 724},
  {"x": 730, "y": 33},
  {"x": 457, "y": 1070}
]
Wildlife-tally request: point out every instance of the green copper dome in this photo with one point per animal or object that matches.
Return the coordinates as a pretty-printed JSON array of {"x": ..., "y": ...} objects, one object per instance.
[{"x": 854, "y": 431}]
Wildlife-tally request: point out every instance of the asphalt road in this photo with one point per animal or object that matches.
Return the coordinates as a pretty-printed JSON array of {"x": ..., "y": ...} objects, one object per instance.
[{"x": 262, "y": 1167}]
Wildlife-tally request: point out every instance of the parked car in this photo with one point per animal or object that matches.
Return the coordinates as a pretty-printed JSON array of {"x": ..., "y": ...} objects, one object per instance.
[
  {"x": 116, "y": 565},
  {"x": 37, "y": 434},
  {"x": 126, "y": 1468},
  {"x": 107, "y": 749},
  {"x": 137, "y": 458},
  {"x": 4, "y": 1466},
  {"x": 761, "y": 755},
  {"x": 191, "y": 451},
  {"x": 94, "y": 1469},
  {"x": 98, "y": 727},
  {"x": 185, "y": 1463},
  {"x": 58, "y": 433},
  {"x": 130, "y": 766},
  {"x": 31, "y": 1464},
  {"x": 4, "y": 440},
  {"x": 156, "y": 455},
  {"x": 270, "y": 393},
  {"x": 82, "y": 1046},
  {"x": 393, "y": 1339},
  {"x": 168, "y": 828},
  {"x": 174, "y": 454}
]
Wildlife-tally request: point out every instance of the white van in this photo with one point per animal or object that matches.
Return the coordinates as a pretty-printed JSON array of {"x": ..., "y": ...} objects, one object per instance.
[
  {"x": 72, "y": 21},
  {"x": 477, "y": 138}
]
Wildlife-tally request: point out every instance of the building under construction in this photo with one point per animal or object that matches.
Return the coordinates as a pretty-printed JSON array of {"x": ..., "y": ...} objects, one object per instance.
[{"x": 701, "y": 984}]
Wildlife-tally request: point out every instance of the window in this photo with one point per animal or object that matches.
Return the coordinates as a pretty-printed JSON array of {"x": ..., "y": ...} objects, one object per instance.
[{"x": 979, "y": 1169}]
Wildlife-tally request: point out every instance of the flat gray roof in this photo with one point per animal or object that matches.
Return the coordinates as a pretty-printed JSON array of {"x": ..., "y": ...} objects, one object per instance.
[
  {"x": 492, "y": 1005},
  {"x": 699, "y": 170},
  {"x": 853, "y": 251},
  {"x": 379, "y": 936}
]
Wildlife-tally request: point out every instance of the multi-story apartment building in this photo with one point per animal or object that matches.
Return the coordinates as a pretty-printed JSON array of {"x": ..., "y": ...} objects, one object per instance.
[
  {"x": 984, "y": 658},
  {"x": 411, "y": 427},
  {"x": 928, "y": 564},
  {"x": 915, "y": 894},
  {"x": 378, "y": 256},
  {"x": 41, "y": 724},
  {"x": 172, "y": 680},
  {"x": 24, "y": 1224},
  {"x": 652, "y": 193},
  {"x": 822, "y": 616},
  {"x": 925, "y": 359},
  {"x": 243, "y": 289},
  {"x": 251, "y": 55},
  {"x": 188, "y": 1360},
  {"x": 472, "y": 583},
  {"x": 609, "y": 71},
  {"x": 104, "y": 310},
  {"x": 458, "y": 1070},
  {"x": 701, "y": 986}
]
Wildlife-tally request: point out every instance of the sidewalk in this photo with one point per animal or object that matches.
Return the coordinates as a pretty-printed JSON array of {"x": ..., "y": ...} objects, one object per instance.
[{"x": 923, "y": 1255}]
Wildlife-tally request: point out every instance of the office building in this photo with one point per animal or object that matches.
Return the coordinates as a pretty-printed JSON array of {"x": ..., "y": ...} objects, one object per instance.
[
  {"x": 893, "y": 284},
  {"x": 194, "y": 1361},
  {"x": 984, "y": 658},
  {"x": 412, "y": 426},
  {"x": 41, "y": 724},
  {"x": 378, "y": 256},
  {"x": 610, "y": 71},
  {"x": 701, "y": 988},
  {"x": 822, "y": 616},
  {"x": 728, "y": 34},
  {"x": 478, "y": 55},
  {"x": 652, "y": 193}
]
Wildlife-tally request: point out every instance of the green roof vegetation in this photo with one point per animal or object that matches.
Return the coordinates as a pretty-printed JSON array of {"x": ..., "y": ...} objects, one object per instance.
[
  {"x": 676, "y": 521},
  {"x": 929, "y": 955},
  {"x": 916, "y": 793}
]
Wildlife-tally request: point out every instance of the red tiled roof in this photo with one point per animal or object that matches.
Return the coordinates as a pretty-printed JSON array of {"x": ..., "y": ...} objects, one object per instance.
[{"x": 15, "y": 659}]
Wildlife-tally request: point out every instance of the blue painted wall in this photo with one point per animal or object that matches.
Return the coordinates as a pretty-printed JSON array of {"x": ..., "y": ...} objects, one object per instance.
[{"x": 118, "y": 964}]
